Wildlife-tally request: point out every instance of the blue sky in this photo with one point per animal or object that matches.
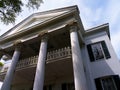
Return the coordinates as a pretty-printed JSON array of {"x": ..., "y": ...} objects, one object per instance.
[{"x": 92, "y": 13}]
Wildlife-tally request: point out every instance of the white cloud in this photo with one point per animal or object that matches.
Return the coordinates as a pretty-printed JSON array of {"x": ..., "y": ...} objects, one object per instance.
[
  {"x": 107, "y": 12},
  {"x": 112, "y": 10},
  {"x": 89, "y": 15}
]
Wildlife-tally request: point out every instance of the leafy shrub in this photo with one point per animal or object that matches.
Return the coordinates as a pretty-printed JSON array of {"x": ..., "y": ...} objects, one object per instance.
[{"x": 1, "y": 64}]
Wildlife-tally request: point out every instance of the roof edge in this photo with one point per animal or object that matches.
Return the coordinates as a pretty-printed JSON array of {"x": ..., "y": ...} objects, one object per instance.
[{"x": 100, "y": 27}]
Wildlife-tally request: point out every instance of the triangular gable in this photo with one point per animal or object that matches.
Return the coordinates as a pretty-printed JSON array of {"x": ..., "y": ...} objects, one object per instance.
[{"x": 37, "y": 18}]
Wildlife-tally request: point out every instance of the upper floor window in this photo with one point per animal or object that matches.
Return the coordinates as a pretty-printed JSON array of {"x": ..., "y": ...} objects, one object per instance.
[
  {"x": 98, "y": 51},
  {"x": 108, "y": 83}
]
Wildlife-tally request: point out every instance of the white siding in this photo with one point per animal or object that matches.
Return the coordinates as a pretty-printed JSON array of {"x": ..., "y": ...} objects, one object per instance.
[{"x": 100, "y": 68}]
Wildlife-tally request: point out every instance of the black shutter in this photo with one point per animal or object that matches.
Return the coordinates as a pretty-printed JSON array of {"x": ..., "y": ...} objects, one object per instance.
[
  {"x": 98, "y": 84},
  {"x": 105, "y": 49},
  {"x": 64, "y": 87},
  {"x": 90, "y": 53},
  {"x": 117, "y": 81}
]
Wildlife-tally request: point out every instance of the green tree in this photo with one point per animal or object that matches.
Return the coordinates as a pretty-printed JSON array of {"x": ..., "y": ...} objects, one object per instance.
[{"x": 9, "y": 9}]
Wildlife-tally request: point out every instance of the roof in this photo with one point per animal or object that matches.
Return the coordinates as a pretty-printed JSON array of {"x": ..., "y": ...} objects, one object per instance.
[
  {"x": 38, "y": 18},
  {"x": 98, "y": 29}
]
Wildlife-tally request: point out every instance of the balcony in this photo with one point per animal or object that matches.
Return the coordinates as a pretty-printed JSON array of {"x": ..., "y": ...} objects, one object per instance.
[{"x": 52, "y": 56}]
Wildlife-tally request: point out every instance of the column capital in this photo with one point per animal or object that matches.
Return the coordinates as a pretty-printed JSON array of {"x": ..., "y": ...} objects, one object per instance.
[
  {"x": 73, "y": 27},
  {"x": 18, "y": 45},
  {"x": 44, "y": 38}
]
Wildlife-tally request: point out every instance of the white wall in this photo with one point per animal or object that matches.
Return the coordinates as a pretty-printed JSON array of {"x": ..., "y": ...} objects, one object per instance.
[{"x": 99, "y": 68}]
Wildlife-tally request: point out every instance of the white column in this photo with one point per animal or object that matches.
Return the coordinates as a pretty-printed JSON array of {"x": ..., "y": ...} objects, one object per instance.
[
  {"x": 40, "y": 70},
  {"x": 78, "y": 69},
  {"x": 10, "y": 73}
]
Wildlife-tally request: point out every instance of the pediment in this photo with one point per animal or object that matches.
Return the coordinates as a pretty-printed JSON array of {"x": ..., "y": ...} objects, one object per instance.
[
  {"x": 36, "y": 19},
  {"x": 24, "y": 26}
]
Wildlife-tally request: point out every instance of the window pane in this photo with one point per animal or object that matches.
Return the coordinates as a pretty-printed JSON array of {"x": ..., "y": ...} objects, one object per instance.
[
  {"x": 111, "y": 82},
  {"x": 97, "y": 51},
  {"x": 108, "y": 84}
]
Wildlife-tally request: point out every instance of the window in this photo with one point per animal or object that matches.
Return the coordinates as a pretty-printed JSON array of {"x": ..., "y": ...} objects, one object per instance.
[
  {"x": 98, "y": 51},
  {"x": 68, "y": 86},
  {"x": 108, "y": 83}
]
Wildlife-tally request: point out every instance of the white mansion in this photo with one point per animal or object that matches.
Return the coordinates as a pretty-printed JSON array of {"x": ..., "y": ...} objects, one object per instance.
[{"x": 51, "y": 51}]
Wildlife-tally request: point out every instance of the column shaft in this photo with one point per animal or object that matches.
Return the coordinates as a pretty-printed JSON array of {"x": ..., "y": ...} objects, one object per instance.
[
  {"x": 79, "y": 75},
  {"x": 40, "y": 70},
  {"x": 10, "y": 73}
]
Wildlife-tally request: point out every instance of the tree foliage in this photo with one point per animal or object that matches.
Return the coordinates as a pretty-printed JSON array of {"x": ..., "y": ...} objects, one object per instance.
[
  {"x": 9, "y": 9},
  {"x": 1, "y": 64}
]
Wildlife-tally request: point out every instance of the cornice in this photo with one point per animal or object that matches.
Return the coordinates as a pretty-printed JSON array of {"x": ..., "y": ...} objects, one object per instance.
[
  {"x": 23, "y": 32},
  {"x": 100, "y": 28}
]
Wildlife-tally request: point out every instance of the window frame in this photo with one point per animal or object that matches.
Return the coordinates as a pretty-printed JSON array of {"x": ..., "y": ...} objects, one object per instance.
[
  {"x": 105, "y": 79},
  {"x": 104, "y": 50},
  {"x": 114, "y": 78},
  {"x": 97, "y": 48}
]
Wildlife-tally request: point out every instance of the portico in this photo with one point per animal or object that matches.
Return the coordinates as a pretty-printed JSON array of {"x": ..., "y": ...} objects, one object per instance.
[
  {"x": 44, "y": 47},
  {"x": 49, "y": 53}
]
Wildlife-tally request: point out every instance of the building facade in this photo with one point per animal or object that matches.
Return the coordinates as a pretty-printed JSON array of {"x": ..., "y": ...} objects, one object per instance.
[{"x": 51, "y": 51}]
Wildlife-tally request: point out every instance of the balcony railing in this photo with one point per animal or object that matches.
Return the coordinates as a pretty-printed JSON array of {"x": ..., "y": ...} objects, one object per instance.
[{"x": 51, "y": 56}]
